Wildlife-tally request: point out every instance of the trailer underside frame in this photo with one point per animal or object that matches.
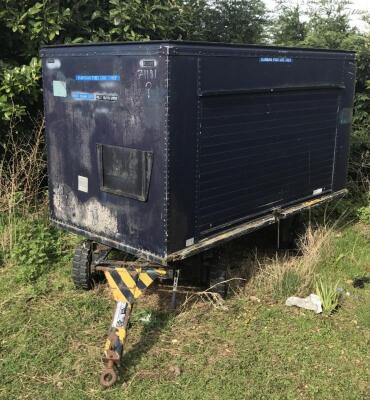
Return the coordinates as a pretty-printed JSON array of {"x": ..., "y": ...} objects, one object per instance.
[{"x": 211, "y": 241}]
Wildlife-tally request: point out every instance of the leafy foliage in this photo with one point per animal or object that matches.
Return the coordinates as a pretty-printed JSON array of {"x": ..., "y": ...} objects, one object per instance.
[
  {"x": 235, "y": 21},
  {"x": 289, "y": 28},
  {"x": 19, "y": 88},
  {"x": 137, "y": 20},
  {"x": 364, "y": 214},
  {"x": 329, "y": 24},
  {"x": 328, "y": 294},
  {"x": 36, "y": 243}
]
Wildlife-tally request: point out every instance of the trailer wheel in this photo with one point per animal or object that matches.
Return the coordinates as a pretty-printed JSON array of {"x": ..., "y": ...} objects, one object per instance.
[
  {"x": 81, "y": 266},
  {"x": 217, "y": 276},
  {"x": 217, "y": 273},
  {"x": 290, "y": 231}
]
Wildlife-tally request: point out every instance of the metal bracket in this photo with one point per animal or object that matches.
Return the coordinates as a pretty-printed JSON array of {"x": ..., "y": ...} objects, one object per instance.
[
  {"x": 277, "y": 214},
  {"x": 174, "y": 288},
  {"x": 127, "y": 281}
]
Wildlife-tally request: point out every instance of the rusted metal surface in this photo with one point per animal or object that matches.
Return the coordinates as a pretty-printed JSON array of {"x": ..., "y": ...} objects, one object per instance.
[{"x": 108, "y": 376}]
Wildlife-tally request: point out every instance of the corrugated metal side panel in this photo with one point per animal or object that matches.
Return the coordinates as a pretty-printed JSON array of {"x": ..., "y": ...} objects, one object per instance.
[{"x": 262, "y": 150}]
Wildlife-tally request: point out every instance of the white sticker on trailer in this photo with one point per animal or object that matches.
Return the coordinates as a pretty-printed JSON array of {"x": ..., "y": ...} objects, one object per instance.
[
  {"x": 317, "y": 191},
  {"x": 83, "y": 184},
  {"x": 59, "y": 89},
  {"x": 189, "y": 242}
]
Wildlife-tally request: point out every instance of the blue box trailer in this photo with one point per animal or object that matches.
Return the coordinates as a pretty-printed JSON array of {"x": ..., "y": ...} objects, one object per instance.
[
  {"x": 163, "y": 149},
  {"x": 156, "y": 147}
]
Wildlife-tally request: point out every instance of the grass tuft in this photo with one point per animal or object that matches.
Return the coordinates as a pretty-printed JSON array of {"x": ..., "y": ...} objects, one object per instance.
[{"x": 286, "y": 275}]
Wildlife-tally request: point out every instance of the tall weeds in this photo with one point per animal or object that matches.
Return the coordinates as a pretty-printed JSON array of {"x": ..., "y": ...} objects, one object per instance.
[
  {"x": 287, "y": 275},
  {"x": 22, "y": 178},
  {"x": 22, "y": 168}
]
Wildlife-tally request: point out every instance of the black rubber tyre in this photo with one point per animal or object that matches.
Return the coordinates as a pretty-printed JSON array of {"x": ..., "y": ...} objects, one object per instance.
[
  {"x": 217, "y": 276},
  {"x": 290, "y": 231},
  {"x": 217, "y": 273},
  {"x": 81, "y": 266}
]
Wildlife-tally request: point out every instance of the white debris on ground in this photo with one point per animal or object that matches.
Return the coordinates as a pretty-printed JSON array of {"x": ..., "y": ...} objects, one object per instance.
[
  {"x": 146, "y": 319},
  {"x": 311, "y": 302}
]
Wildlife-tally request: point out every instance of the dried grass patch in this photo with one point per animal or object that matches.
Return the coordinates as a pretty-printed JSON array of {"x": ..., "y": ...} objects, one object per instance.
[{"x": 287, "y": 274}]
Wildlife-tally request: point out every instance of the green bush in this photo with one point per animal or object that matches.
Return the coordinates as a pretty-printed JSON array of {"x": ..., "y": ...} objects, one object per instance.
[
  {"x": 19, "y": 88},
  {"x": 364, "y": 214},
  {"x": 36, "y": 244}
]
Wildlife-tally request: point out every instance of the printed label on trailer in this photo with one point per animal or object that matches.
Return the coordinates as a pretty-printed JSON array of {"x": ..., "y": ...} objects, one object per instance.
[
  {"x": 276, "y": 60},
  {"x": 317, "y": 191},
  {"x": 59, "y": 88},
  {"x": 107, "y": 97},
  {"x": 148, "y": 63},
  {"x": 83, "y": 96},
  {"x": 94, "y": 96},
  {"x": 97, "y": 78}
]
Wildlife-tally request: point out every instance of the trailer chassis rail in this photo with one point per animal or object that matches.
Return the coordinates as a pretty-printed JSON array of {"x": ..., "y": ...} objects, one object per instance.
[{"x": 250, "y": 226}]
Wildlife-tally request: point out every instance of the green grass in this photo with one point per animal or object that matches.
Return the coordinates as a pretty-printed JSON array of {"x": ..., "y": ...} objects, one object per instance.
[{"x": 51, "y": 339}]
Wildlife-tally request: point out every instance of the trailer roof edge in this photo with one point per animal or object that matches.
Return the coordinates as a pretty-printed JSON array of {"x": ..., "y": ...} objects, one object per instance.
[{"x": 199, "y": 43}]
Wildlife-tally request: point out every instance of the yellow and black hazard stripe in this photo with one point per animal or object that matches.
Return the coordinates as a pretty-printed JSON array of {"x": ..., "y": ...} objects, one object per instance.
[{"x": 127, "y": 286}]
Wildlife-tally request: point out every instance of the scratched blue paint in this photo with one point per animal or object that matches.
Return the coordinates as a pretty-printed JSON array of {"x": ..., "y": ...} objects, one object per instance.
[
  {"x": 97, "y": 77},
  {"x": 83, "y": 96},
  {"x": 276, "y": 60}
]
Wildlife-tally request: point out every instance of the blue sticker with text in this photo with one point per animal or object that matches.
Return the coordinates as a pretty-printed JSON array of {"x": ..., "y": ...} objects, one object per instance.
[
  {"x": 83, "y": 96},
  {"x": 276, "y": 60},
  {"x": 97, "y": 78}
]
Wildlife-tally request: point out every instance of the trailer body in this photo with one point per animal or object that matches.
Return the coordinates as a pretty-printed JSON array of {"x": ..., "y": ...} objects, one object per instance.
[{"x": 163, "y": 149}]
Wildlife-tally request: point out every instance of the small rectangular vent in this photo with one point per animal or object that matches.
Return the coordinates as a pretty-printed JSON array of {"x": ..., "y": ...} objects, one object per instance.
[{"x": 125, "y": 171}]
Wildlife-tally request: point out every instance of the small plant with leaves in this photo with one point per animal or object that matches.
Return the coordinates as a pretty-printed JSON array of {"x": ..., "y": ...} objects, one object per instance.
[
  {"x": 364, "y": 214},
  {"x": 35, "y": 245},
  {"x": 329, "y": 295}
]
